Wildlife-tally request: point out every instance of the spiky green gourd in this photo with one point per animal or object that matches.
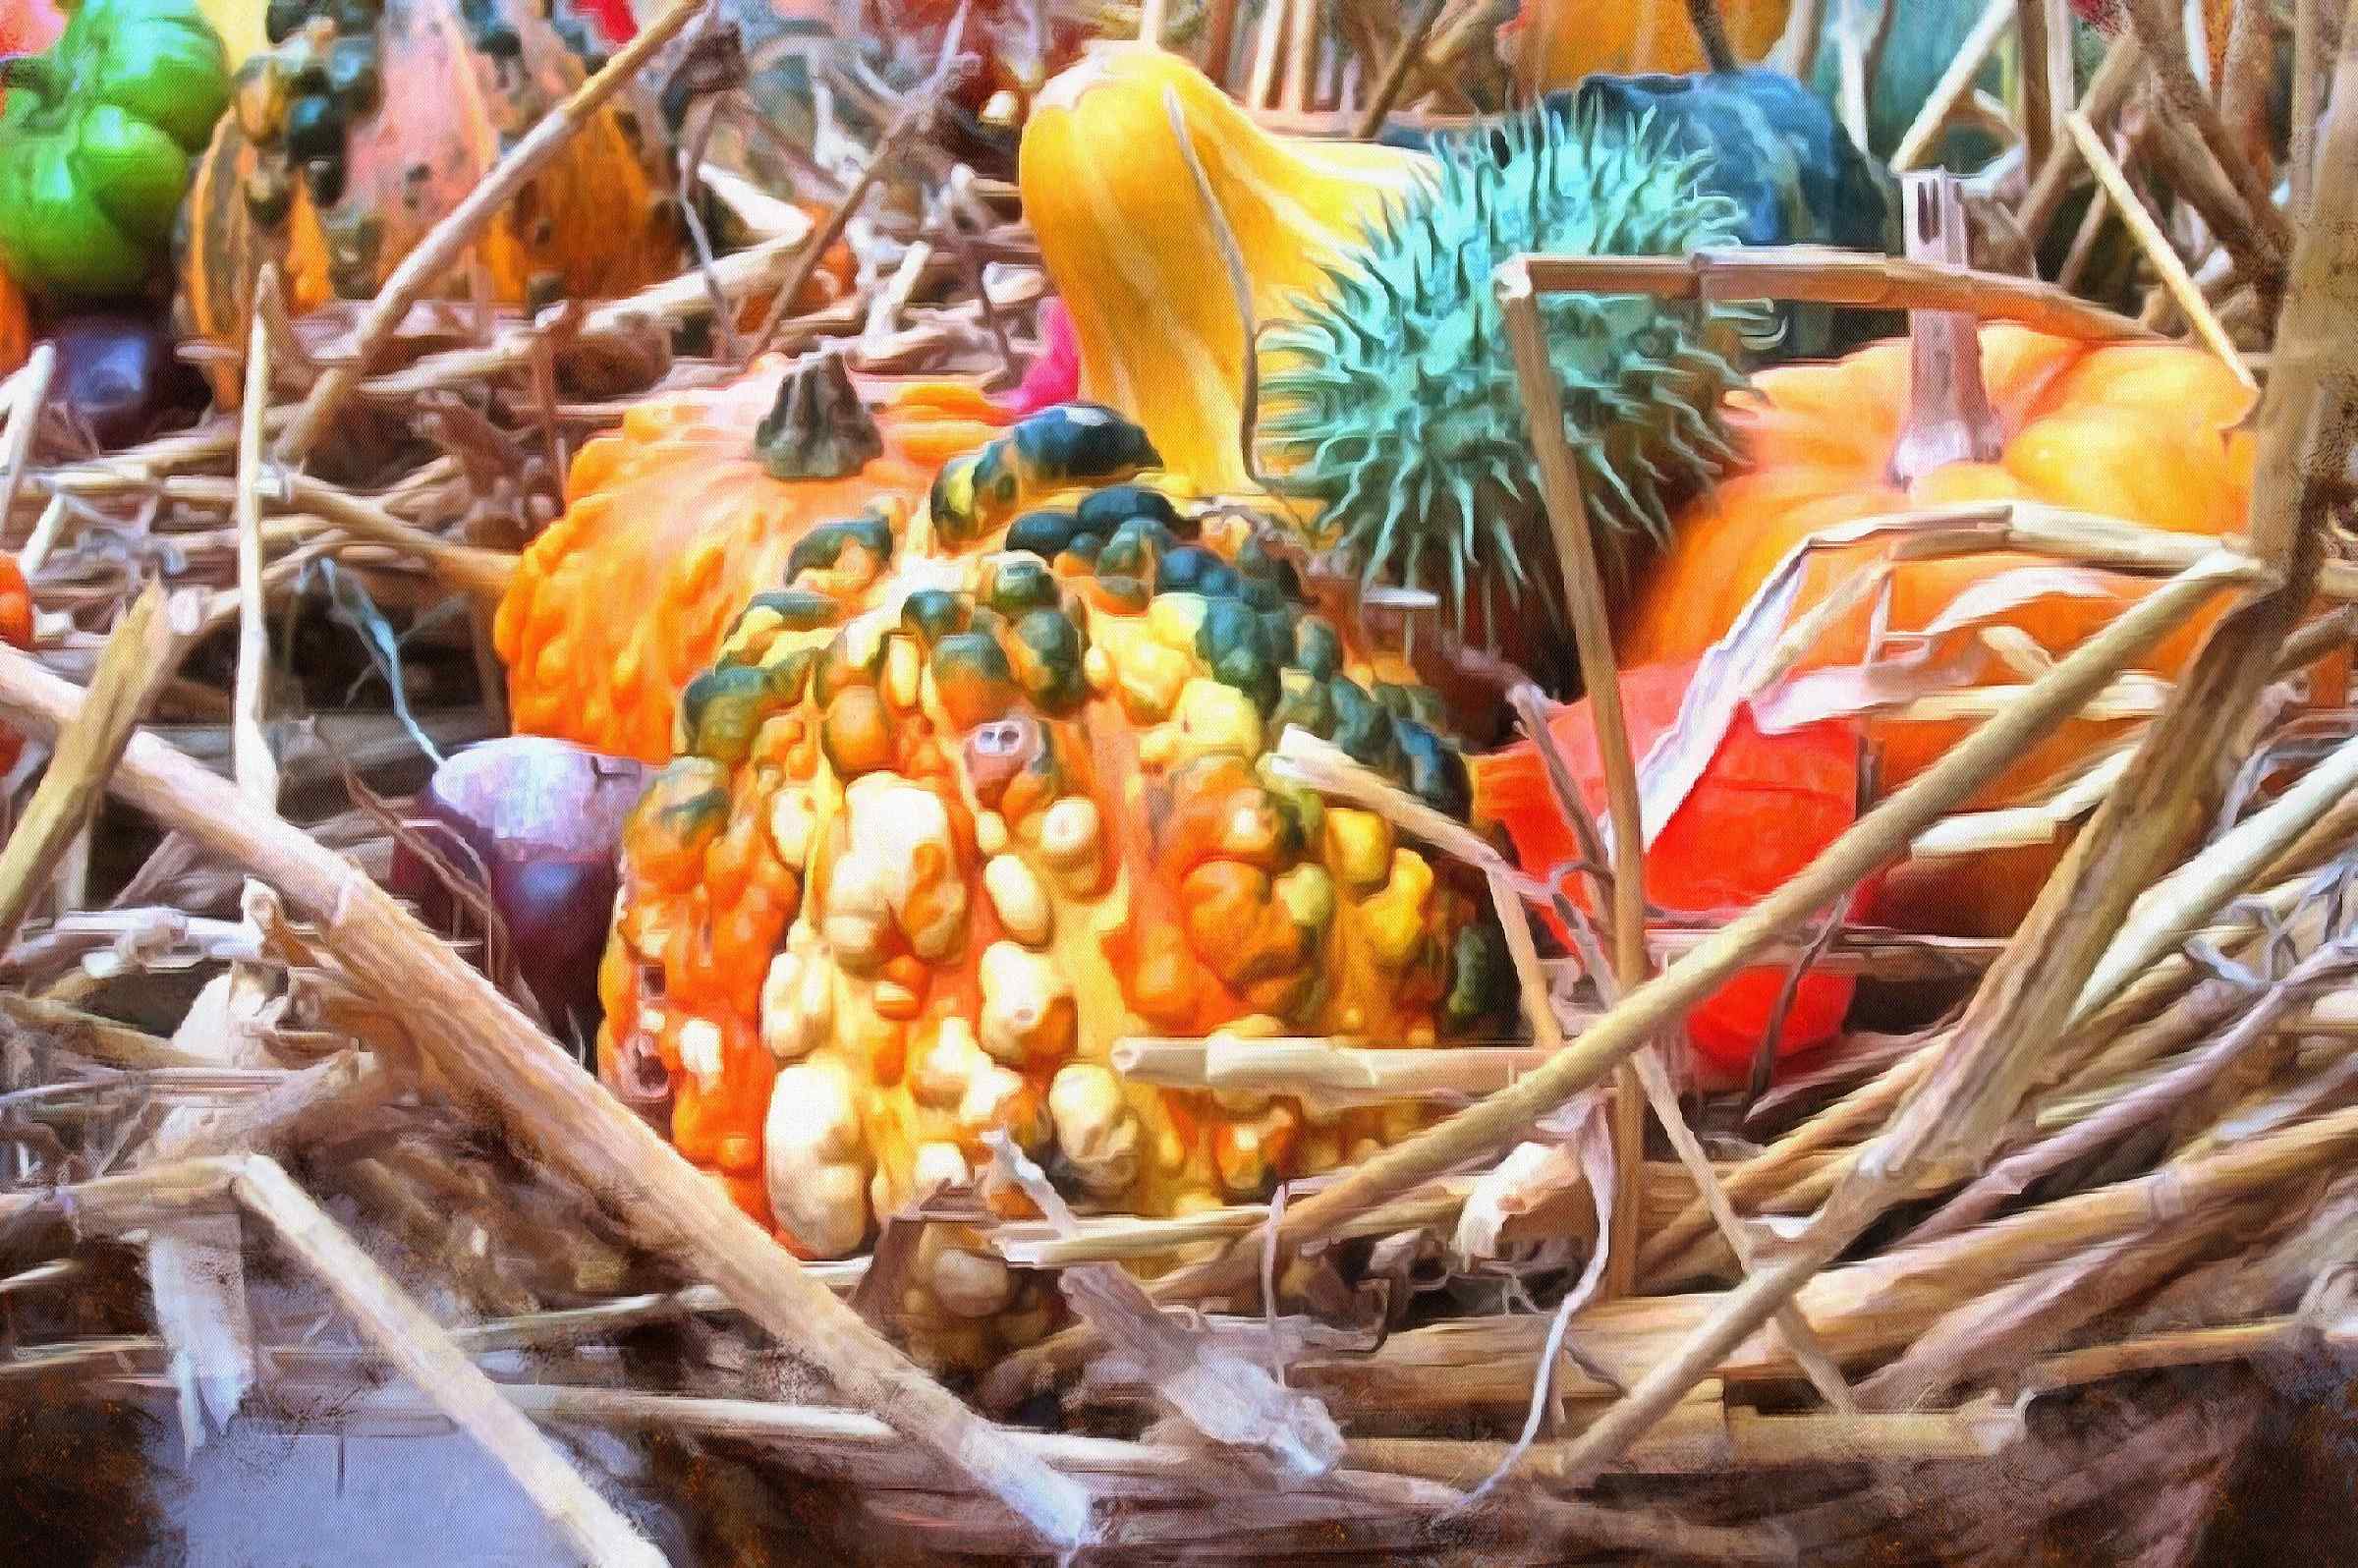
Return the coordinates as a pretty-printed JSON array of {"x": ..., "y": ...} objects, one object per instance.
[{"x": 1389, "y": 398}]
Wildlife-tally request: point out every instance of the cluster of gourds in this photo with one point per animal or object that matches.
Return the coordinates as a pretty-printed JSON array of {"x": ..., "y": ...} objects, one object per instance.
[
  {"x": 148, "y": 145},
  {"x": 966, "y": 716},
  {"x": 967, "y": 724},
  {"x": 141, "y": 154}
]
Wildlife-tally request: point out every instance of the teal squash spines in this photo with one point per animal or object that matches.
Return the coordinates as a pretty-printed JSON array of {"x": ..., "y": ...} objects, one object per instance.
[{"x": 1390, "y": 399}]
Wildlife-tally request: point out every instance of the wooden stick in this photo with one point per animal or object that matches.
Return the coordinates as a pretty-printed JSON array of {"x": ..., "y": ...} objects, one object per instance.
[
  {"x": 1320, "y": 1070},
  {"x": 137, "y": 661},
  {"x": 481, "y": 574},
  {"x": 448, "y": 239},
  {"x": 492, "y": 1054},
  {"x": 1219, "y": 44},
  {"x": 32, "y": 386},
  {"x": 2175, "y": 906},
  {"x": 2045, "y": 30},
  {"x": 1719, "y": 1439},
  {"x": 1262, "y": 78},
  {"x": 2183, "y": 159},
  {"x": 1822, "y": 275},
  {"x": 256, "y": 767},
  {"x": 2157, "y": 249},
  {"x": 2248, "y": 81},
  {"x": 2190, "y": 1346},
  {"x": 1851, "y": 84},
  {"x": 2307, "y": 18},
  {"x": 1301, "y": 42},
  {"x": 2032, "y": 18},
  {"x": 1710, "y": 31},
  {"x": 1592, "y": 638},
  {"x": 1805, "y": 22},
  {"x": 2053, "y": 179},
  {"x": 1972, "y": 54},
  {"x": 1395, "y": 76},
  {"x": 101, "y": 1040},
  {"x": 2164, "y": 37}
]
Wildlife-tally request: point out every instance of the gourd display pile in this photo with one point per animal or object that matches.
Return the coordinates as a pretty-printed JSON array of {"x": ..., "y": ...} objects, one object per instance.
[{"x": 909, "y": 755}]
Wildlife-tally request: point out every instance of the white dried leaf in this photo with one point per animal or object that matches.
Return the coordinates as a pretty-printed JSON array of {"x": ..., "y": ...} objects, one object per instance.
[
  {"x": 1993, "y": 598},
  {"x": 1528, "y": 1177},
  {"x": 765, "y": 216},
  {"x": 197, "y": 1277}
]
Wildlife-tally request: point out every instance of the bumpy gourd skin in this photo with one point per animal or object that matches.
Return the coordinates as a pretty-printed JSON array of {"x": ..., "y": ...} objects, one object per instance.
[
  {"x": 96, "y": 143},
  {"x": 980, "y": 791}
]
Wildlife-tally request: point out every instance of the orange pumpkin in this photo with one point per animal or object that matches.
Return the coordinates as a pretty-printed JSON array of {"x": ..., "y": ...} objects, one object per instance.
[
  {"x": 673, "y": 521},
  {"x": 16, "y": 327},
  {"x": 362, "y": 128},
  {"x": 2145, "y": 432}
]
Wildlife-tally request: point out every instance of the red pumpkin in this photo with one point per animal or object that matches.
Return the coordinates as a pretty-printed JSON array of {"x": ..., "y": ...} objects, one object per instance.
[{"x": 1762, "y": 810}]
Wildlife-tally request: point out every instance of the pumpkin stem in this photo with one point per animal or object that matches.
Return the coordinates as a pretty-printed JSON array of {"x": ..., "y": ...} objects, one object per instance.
[
  {"x": 818, "y": 429},
  {"x": 1949, "y": 418}
]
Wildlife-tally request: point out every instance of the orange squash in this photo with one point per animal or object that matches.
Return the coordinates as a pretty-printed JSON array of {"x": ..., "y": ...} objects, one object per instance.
[
  {"x": 2146, "y": 431},
  {"x": 672, "y": 523},
  {"x": 16, "y": 327},
  {"x": 364, "y": 126}
]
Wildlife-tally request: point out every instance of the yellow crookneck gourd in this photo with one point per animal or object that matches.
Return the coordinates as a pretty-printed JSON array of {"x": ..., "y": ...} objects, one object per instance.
[{"x": 1124, "y": 236}]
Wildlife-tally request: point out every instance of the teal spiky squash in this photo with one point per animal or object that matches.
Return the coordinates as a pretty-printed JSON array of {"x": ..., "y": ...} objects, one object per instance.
[{"x": 1389, "y": 397}]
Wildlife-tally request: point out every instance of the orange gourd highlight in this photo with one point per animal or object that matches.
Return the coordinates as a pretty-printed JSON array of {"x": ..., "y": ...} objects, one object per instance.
[
  {"x": 15, "y": 630},
  {"x": 1553, "y": 43}
]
